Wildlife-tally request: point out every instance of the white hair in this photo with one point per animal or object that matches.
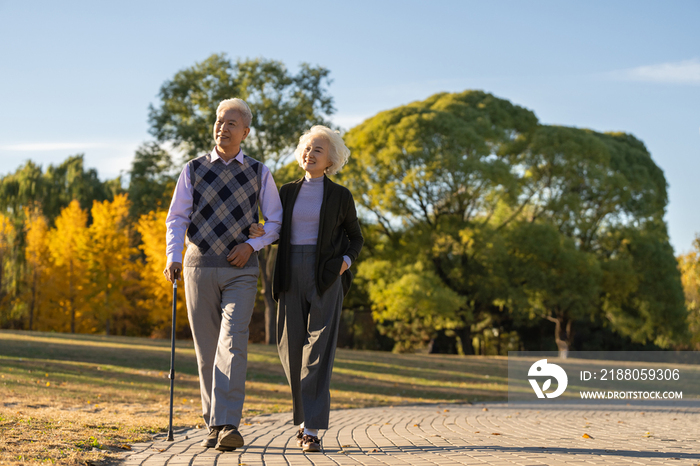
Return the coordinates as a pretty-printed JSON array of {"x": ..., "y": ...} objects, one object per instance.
[
  {"x": 237, "y": 104},
  {"x": 338, "y": 153}
]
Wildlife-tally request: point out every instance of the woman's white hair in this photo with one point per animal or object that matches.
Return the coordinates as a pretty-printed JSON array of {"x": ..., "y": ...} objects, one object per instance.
[
  {"x": 338, "y": 153},
  {"x": 237, "y": 104}
]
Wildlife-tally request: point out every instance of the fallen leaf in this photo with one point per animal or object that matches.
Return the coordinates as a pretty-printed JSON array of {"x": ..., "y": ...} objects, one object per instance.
[
  {"x": 374, "y": 450},
  {"x": 48, "y": 384},
  {"x": 485, "y": 409},
  {"x": 495, "y": 433},
  {"x": 447, "y": 410},
  {"x": 125, "y": 447},
  {"x": 416, "y": 425},
  {"x": 478, "y": 431},
  {"x": 586, "y": 436}
]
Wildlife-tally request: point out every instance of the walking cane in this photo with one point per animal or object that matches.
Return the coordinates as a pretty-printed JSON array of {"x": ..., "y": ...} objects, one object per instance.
[{"x": 171, "y": 376}]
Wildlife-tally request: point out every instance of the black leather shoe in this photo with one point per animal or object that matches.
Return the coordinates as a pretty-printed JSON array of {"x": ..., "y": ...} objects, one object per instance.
[
  {"x": 229, "y": 439},
  {"x": 211, "y": 439}
]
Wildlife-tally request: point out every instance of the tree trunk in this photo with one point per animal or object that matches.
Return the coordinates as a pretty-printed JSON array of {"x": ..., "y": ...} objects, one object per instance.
[
  {"x": 443, "y": 344},
  {"x": 32, "y": 302},
  {"x": 562, "y": 334},
  {"x": 465, "y": 337},
  {"x": 109, "y": 314},
  {"x": 2, "y": 288},
  {"x": 498, "y": 340},
  {"x": 267, "y": 258},
  {"x": 71, "y": 299}
]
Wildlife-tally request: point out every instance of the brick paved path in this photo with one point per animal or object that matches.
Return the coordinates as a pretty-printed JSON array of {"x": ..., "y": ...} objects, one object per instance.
[{"x": 451, "y": 435}]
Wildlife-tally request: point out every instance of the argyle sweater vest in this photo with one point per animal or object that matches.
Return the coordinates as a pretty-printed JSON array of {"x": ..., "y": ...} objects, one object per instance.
[{"x": 224, "y": 205}]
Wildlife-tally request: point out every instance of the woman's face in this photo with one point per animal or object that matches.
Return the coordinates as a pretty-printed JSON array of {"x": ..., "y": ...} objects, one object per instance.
[{"x": 315, "y": 158}]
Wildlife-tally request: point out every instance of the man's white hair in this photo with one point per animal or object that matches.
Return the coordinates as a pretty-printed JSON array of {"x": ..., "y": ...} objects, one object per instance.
[
  {"x": 338, "y": 153},
  {"x": 237, "y": 104}
]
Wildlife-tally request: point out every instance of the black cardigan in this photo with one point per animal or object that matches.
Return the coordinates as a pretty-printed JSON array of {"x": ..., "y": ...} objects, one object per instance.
[{"x": 339, "y": 235}]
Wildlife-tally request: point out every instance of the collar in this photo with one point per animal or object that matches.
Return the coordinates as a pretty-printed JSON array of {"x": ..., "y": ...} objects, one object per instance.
[
  {"x": 215, "y": 155},
  {"x": 318, "y": 179}
]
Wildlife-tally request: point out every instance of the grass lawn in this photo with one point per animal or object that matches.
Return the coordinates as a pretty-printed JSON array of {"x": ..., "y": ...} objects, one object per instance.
[{"x": 74, "y": 399}]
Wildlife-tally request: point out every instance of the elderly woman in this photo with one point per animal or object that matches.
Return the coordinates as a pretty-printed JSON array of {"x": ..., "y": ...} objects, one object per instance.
[{"x": 319, "y": 240}]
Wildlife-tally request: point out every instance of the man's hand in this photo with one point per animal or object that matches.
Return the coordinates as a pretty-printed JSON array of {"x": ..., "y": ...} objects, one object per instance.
[
  {"x": 343, "y": 267},
  {"x": 170, "y": 270},
  {"x": 256, "y": 230},
  {"x": 240, "y": 254}
]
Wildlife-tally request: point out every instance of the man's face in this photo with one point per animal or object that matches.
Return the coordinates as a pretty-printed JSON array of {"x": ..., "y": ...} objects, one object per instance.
[{"x": 229, "y": 129}]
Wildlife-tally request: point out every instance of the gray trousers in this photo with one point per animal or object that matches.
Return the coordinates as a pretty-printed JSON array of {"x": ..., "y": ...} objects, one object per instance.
[
  {"x": 219, "y": 304},
  {"x": 307, "y": 333}
]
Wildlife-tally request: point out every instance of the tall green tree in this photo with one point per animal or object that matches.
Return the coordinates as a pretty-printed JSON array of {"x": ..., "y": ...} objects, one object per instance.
[
  {"x": 284, "y": 105},
  {"x": 152, "y": 180},
  {"x": 556, "y": 280},
  {"x": 457, "y": 177},
  {"x": 604, "y": 192},
  {"x": 439, "y": 177},
  {"x": 54, "y": 188}
]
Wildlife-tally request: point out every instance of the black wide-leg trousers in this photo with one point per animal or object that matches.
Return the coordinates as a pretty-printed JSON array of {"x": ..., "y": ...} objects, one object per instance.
[{"x": 307, "y": 334}]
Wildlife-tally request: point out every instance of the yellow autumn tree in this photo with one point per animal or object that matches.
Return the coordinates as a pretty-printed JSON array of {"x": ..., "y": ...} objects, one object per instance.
[
  {"x": 157, "y": 292},
  {"x": 36, "y": 254},
  {"x": 7, "y": 234},
  {"x": 67, "y": 284},
  {"x": 110, "y": 269},
  {"x": 689, "y": 265}
]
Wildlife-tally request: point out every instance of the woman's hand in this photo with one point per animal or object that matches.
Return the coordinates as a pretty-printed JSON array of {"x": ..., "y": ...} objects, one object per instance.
[
  {"x": 256, "y": 230},
  {"x": 343, "y": 267}
]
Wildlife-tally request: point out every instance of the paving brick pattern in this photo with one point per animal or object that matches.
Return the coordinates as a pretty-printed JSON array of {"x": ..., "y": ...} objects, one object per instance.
[{"x": 451, "y": 435}]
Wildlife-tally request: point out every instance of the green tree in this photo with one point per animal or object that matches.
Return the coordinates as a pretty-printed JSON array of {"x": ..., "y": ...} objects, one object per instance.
[
  {"x": 439, "y": 177},
  {"x": 559, "y": 282},
  {"x": 54, "y": 189},
  {"x": 151, "y": 180},
  {"x": 412, "y": 299},
  {"x": 71, "y": 180},
  {"x": 605, "y": 193},
  {"x": 689, "y": 265},
  {"x": 283, "y": 104},
  {"x": 653, "y": 309},
  {"x": 456, "y": 177}
]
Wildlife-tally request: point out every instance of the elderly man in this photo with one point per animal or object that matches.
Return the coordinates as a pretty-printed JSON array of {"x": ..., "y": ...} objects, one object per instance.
[{"x": 215, "y": 202}]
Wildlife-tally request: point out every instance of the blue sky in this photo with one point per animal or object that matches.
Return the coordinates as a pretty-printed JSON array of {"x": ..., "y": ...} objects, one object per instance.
[{"x": 77, "y": 77}]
